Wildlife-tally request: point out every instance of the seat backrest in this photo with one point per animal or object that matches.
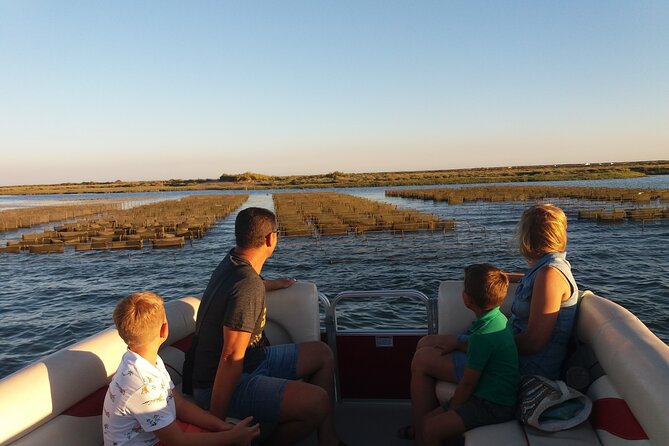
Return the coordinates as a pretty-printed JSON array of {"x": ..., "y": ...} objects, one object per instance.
[
  {"x": 636, "y": 361},
  {"x": 293, "y": 314},
  {"x": 181, "y": 317},
  {"x": 58, "y": 400},
  {"x": 453, "y": 317}
]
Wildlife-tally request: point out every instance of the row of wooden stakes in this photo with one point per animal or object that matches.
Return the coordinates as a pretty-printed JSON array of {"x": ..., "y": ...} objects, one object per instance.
[
  {"x": 58, "y": 248},
  {"x": 641, "y": 214},
  {"x": 165, "y": 224},
  {"x": 522, "y": 193},
  {"x": 330, "y": 213},
  {"x": 13, "y": 219}
]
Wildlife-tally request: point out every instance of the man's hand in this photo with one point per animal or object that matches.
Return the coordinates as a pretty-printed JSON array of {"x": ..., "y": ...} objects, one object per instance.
[
  {"x": 277, "y": 284},
  {"x": 222, "y": 426}
]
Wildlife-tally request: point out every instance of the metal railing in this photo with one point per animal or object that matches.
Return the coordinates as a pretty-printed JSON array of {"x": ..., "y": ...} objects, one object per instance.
[{"x": 331, "y": 315}]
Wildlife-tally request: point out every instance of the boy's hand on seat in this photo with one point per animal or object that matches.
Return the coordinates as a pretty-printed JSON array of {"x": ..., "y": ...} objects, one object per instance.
[
  {"x": 446, "y": 347},
  {"x": 245, "y": 431}
]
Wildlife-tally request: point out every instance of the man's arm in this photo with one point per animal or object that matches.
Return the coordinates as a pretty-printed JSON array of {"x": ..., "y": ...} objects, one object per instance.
[
  {"x": 230, "y": 368},
  {"x": 240, "y": 434},
  {"x": 193, "y": 414},
  {"x": 277, "y": 284}
]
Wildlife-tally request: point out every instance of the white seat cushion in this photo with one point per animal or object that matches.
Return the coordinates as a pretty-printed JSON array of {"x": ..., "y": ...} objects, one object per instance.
[
  {"x": 293, "y": 315},
  {"x": 507, "y": 434},
  {"x": 445, "y": 391}
]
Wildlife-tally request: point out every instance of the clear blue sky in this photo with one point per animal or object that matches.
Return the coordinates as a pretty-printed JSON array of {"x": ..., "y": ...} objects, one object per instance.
[{"x": 98, "y": 91}]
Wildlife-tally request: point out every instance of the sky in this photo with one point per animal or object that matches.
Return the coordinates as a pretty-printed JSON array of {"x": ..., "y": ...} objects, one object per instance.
[{"x": 128, "y": 90}]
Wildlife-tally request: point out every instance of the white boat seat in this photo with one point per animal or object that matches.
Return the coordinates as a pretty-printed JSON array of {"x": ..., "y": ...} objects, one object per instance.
[
  {"x": 35, "y": 400},
  {"x": 181, "y": 317},
  {"x": 445, "y": 391},
  {"x": 293, "y": 315},
  {"x": 60, "y": 397}
]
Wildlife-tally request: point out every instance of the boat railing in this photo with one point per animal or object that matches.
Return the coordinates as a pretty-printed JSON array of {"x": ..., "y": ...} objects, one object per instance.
[
  {"x": 331, "y": 305},
  {"x": 332, "y": 330},
  {"x": 324, "y": 302}
]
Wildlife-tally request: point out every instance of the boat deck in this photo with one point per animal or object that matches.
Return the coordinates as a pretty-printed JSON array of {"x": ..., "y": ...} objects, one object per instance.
[{"x": 371, "y": 423}]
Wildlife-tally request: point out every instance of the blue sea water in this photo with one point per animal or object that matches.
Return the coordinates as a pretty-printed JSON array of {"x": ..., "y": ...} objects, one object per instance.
[{"x": 50, "y": 301}]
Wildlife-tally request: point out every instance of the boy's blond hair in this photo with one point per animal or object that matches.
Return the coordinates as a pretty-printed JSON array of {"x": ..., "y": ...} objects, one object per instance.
[
  {"x": 138, "y": 317},
  {"x": 485, "y": 285},
  {"x": 542, "y": 229}
]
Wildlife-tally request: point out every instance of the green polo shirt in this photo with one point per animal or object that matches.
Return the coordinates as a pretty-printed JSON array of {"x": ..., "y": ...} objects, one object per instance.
[{"x": 491, "y": 350}]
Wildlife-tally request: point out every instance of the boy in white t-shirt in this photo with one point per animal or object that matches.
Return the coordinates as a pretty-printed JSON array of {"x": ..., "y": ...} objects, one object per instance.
[{"x": 141, "y": 406}]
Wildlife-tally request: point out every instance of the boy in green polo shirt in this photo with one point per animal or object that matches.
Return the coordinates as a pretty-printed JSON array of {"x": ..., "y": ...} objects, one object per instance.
[{"x": 486, "y": 393}]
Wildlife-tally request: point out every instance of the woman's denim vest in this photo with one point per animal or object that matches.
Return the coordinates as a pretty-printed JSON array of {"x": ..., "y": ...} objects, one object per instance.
[{"x": 548, "y": 361}]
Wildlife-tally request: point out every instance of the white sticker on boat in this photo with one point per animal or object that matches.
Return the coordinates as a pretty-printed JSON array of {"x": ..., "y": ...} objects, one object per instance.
[{"x": 384, "y": 341}]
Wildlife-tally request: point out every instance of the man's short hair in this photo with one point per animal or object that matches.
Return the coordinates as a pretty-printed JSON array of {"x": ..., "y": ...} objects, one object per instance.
[
  {"x": 252, "y": 225},
  {"x": 486, "y": 285},
  {"x": 138, "y": 317}
]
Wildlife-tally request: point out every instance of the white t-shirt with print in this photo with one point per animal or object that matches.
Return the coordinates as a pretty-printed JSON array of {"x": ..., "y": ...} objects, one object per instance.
[{"x": 139, "y": 401}]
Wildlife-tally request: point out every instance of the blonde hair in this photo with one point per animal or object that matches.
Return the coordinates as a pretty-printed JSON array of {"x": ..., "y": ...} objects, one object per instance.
[
  {"x": 542, "y": 229},
  {"x": 138, "y": 317},
  {"x": 486, "y": 285}
]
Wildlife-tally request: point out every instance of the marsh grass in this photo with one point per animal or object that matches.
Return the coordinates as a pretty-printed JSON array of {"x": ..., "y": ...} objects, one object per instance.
[
  {"x": 250, "y": 180},
  {"x": 460, "y": 195}
]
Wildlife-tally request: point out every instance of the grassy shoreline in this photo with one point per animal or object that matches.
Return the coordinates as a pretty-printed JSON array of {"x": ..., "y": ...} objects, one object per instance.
[{"x": 246, "y": 181}]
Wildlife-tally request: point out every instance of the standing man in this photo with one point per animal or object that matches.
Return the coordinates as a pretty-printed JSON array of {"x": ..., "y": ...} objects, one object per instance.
[{"x": 234, "y": 372}]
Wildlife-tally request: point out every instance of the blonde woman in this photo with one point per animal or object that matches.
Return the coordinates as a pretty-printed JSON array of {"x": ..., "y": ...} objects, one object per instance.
[{"x": 544, "y": 306}]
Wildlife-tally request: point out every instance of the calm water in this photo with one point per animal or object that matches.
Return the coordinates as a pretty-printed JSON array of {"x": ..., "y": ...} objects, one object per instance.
[{"x": 48, "y": 302}]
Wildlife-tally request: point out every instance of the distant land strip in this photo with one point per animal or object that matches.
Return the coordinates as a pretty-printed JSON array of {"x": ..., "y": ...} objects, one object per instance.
[{"x": 250, "y": 181}]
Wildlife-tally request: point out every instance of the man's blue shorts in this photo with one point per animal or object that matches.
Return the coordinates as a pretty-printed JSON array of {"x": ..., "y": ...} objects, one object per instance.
[{"x": 260, "y": 392}]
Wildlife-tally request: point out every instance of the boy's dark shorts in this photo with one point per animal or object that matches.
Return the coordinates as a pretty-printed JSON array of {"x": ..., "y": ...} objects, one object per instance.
[{"x": 477, "y": 412}]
